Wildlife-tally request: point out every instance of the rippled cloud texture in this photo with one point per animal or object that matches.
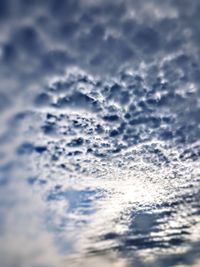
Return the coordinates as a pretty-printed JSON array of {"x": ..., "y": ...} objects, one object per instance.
[{"x": 99, "y": 133}]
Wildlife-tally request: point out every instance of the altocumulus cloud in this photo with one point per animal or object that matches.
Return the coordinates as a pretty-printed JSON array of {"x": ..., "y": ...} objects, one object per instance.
[{"x": 99, "y": 105}]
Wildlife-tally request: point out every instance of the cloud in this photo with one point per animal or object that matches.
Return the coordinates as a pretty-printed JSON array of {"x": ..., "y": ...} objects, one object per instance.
[{"x": 99, "y": 106}]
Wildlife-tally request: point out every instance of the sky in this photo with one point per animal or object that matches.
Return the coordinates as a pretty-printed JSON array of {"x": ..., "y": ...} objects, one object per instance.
[{"x": 99, "y": 133}]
